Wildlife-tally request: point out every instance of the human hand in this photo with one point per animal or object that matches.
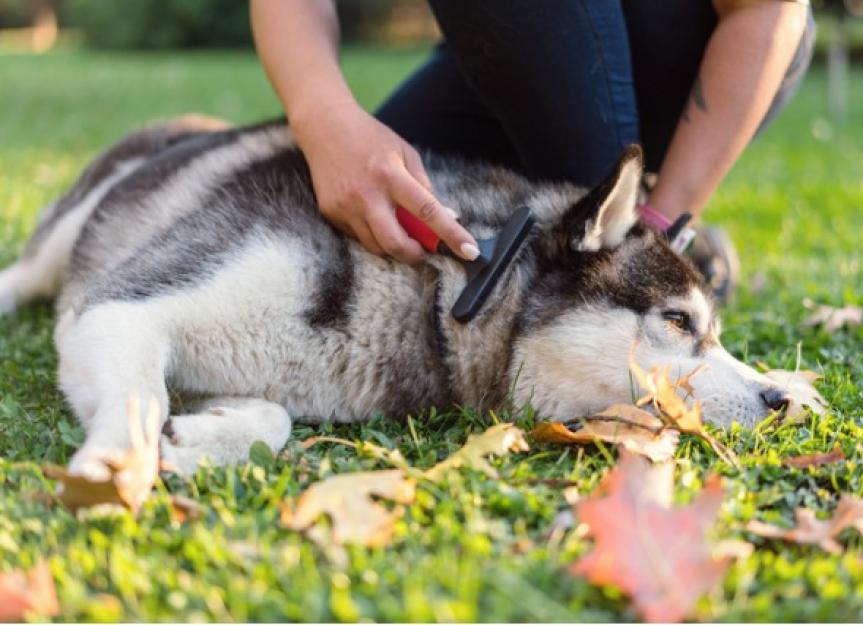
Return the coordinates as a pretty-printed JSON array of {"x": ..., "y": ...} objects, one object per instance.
[{"x": 361, "y": 170}]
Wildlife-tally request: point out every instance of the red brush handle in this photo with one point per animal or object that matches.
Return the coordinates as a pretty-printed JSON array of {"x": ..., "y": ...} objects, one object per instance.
[{"x": 417, "y": 229}]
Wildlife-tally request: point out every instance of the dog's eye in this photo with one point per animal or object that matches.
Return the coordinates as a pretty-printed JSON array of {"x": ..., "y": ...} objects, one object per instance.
[{"x": 678, "y": 319}]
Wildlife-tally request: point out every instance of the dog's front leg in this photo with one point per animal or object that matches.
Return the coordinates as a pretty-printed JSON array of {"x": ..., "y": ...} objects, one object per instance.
[{"x": 109, "y": 353}]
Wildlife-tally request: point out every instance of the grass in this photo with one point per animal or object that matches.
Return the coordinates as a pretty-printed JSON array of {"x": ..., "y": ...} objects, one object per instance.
[{"x": 793, "y": 205}]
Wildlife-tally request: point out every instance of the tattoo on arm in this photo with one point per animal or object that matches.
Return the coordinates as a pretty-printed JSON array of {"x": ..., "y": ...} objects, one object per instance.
[{"x": 696, "y": 96}]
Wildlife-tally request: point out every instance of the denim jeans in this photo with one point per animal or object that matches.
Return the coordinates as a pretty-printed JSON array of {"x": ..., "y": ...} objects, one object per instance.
[{"x": 558, "y": 88}]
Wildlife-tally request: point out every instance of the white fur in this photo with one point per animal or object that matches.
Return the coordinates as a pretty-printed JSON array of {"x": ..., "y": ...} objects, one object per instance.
[
  {"x": 617, "y": 214},
  {"x": 562, "y": 373}
]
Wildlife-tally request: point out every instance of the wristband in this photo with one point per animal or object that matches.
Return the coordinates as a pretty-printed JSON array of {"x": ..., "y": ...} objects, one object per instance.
[{"x": 653, "y": 218}]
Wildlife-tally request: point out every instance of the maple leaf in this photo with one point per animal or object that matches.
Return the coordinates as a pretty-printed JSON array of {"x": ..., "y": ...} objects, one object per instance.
[
  {"x": 815, "y": 460},
  {"x": 830, "y": 317},
  {"x": 809, "y": 530},
  {"x": 801, "y": 389},
  {"x": 497, "y": 440},
  {"x": 132, "y": 474},
  {"x": 656, "y": 554},
  {"x": 30, "y": 593},
  {"x": 347, "y": 499},
  {"x": 620, "y": 424}
]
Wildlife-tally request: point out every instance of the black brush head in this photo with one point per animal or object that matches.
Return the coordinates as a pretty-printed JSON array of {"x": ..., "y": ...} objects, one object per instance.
[{"x": 495, "y": 256}]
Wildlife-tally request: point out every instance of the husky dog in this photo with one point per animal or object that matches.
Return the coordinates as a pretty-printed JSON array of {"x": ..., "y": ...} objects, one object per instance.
[{"x": 192, "y": 257}]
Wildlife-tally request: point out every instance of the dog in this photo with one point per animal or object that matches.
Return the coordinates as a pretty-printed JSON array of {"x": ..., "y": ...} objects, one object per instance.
[{"x": 191, "y": 257}]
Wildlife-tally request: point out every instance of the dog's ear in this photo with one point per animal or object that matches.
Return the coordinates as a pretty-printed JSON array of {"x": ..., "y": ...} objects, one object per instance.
[{"x": 603, "y": 217}]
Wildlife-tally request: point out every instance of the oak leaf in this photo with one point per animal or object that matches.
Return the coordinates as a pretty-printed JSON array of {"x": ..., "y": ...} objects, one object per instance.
[
  {"x": 347, "y": 500},
  {"x": 663, "y": 394},
  {"x": 30, "y": 593},
  {"x": 656, "y": 554},
  {"x": 497, "y": 440},
  {"x": 801, "y": 389},
  {"x": 831, "y": 317},
  {"x": 815, "y": 460},
  {"x": 133, "y": 473},
  {"x": 620, "y": 424},
  {"x": 809, "y": 530}
]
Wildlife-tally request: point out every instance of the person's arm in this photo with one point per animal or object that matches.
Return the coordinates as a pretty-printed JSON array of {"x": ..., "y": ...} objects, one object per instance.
[
  {"x": 361, "y": 170},
  {"x": 743, "y": 66}
]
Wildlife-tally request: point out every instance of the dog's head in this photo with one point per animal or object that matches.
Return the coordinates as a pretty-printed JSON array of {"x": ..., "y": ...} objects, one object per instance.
[{"x": 604, "y": 291}]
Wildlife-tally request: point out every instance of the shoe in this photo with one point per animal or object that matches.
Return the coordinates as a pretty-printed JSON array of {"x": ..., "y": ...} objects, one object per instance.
[{"x": 716, "y": 258}]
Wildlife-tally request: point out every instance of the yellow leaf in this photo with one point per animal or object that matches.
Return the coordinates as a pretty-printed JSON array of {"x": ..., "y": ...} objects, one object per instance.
[
  {"x": 132, "y": 475},
  {"x": 347, "y": 499},
  {"x": 620, "y": 424},
  {"x": 663, "y": 394},
  {"x": 497, "y": 440}
]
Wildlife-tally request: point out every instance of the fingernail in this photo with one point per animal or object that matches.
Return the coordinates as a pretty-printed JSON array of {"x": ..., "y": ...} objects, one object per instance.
[
  {"x": 452, "y": 212},
  {"x": 469, "y": 251}
]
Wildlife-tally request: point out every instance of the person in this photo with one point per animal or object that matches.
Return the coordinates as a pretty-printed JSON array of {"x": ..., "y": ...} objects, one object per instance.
[{"x": 556, "y": 89}]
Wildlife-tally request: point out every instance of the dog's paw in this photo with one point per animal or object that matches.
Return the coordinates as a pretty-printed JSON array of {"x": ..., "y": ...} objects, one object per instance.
[
  {"x": 189, "y": 439},
  {"x": 94, "y": 463}
]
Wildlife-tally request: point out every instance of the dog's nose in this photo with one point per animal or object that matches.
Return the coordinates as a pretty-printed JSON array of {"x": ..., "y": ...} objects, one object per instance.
[{"x": 776, "y": 398}]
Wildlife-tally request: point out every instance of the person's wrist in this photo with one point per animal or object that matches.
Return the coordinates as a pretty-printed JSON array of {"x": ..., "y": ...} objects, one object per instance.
[{"x": 320, "y": 109}]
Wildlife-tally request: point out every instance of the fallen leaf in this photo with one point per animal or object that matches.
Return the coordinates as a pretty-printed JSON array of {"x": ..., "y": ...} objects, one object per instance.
[
  {"x": 809, "y": 530},
  {"x": 132, "y": 474},
  {"x": 347, "y": 499},
  {"x": 663, "y": 394},
  {"x": 830, "y": 317},
  {"x": 185, "y": 509},
  {"x": 30, "y": 593},
  {"x": 815, "y": 460},
  {"x": 656, "y": 554},
  {"x": 620, "y": 424},
  {"x": 497, "y": 440},
  {"x": 672, "y": 409},
  {"x": 800, "y": 386}
]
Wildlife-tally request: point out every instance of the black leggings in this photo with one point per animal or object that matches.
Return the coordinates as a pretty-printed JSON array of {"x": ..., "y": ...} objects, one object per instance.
[{"x": 558, "y": 88}]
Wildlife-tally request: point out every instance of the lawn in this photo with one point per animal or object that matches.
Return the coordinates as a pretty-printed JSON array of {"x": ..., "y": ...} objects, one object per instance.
[{"x": 794, "y": 205}]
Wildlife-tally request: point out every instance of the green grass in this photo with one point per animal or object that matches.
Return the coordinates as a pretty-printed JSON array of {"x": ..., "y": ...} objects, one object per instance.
[{"x": 794, "y": 205}]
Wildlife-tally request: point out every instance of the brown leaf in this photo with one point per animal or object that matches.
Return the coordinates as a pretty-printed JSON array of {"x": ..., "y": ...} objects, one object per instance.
[
  {"x": 185, "y": 509},
  {"x": 815, "y": 460},
  {"x": 620, "y": 424},
  {"x": 670, "y": 407},
  {"x": 347, "y": 499},
  {"x": 809, "y": 530},
  {"x": 656, "y": 554},
  {"x": 30, "y": 593},
  {"x": 800, "y": 386},
  {"x": 497, "y": 440},
  {"x": 132, "y": 475},
  {"x": 830, "y": 317}
]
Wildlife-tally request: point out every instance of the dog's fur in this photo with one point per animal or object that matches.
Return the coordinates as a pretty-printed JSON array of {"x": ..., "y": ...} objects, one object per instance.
[{"x": 193, "y": 257}]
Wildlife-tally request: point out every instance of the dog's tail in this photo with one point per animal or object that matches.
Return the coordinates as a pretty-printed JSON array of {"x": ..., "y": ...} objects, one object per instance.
[{"x": 39, "y": 270}]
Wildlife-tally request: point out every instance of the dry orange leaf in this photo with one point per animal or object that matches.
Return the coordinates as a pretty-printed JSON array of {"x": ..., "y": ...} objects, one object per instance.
[
  {"x": 620, "y": 424},
  {"x": 132, "y": 476},
  {"x": 663, "y": 395},
  {"x": 809, "y": 530},
  {"x": 347, "y": 499},
  {"x": 656, "y": 554},
  {"x": 800, "y": 386},
  {"x": 815, "y": 460},
  {"x": 30, "y": 593},
  {"x": 497, "y": 440},
  {"x": 830, "y": 317}
]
